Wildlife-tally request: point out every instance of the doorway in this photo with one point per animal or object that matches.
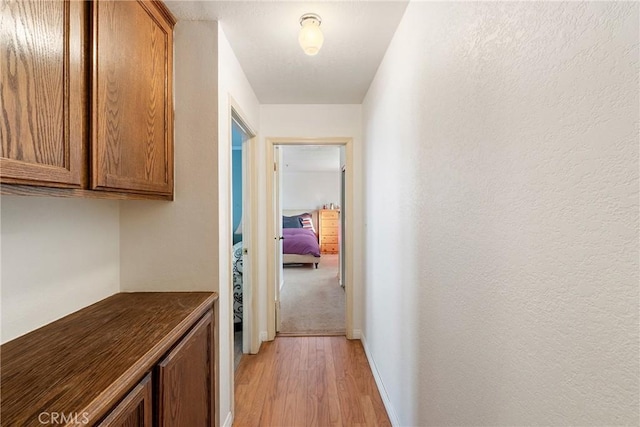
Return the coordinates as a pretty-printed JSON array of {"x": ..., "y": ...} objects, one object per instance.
[
  {"x": 243, "y": 223},
  {"x": 312, "y": 301},
  {"x": 275, "y": 234}
]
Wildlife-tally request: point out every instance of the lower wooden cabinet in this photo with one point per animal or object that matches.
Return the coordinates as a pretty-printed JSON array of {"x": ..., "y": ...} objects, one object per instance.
[
  {"x": 183, "y": 383},
  {"x": 137, "y": 359},
  {"x": 135, "y": 409}
]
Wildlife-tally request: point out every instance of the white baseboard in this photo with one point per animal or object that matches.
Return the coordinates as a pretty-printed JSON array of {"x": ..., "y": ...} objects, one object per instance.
[
  {"x": 229, "y": 421},
  {"x": 263, "y": 336},
  {"x": 376, "y": 376}
]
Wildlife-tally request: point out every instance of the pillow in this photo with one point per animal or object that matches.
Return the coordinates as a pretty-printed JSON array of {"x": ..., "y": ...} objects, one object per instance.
[
  {"x": 291, "y": 222},
  {"x": 307, "y": 221}
]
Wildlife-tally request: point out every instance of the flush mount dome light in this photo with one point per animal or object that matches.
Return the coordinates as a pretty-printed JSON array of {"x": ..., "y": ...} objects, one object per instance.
[{"x": 310, "y": 37}]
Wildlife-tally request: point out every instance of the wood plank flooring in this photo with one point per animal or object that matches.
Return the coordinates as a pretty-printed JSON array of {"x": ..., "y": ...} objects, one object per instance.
[{"x": 307, "y": 381}]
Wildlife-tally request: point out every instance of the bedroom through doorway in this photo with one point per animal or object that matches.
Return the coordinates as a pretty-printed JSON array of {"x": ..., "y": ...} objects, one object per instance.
[{"x": 310, "y": 193}]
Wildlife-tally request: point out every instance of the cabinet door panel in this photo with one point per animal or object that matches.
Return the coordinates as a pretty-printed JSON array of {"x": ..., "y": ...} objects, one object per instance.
[
  {"x": 185, "y": 379},
  {"x": 42, "y": 92},
  {"x": 132, "y": 137},
  {"x": 135, "y": 408}
]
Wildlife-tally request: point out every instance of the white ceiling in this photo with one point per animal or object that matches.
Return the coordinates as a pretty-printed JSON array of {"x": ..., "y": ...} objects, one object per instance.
[
  {"x": 264, "y": 37},
  {"x": 310, "y": 158}
]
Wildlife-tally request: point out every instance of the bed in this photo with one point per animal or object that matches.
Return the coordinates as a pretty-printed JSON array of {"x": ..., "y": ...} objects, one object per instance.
[
  {"x": 236, "y": 257},
  {"x": 300, "y": 244}
]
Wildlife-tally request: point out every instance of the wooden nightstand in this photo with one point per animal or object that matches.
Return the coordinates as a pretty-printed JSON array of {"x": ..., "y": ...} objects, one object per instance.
[{"x": 329, "y": 223}]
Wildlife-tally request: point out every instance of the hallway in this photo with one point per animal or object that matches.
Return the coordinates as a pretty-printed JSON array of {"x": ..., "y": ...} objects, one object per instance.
[{"x": 307, "y": 381}]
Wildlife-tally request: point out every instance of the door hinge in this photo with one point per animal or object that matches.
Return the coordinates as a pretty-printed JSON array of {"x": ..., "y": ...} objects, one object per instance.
[{"x": 275, "y": 167}]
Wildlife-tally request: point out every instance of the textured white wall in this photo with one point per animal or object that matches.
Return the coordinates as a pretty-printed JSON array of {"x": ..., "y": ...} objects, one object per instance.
[
  {"x": 58, "y": 256},
  {"x": 312, "y": 121},
  {"x": 501, "y": 171},
  {"x": 232, "y": 84},
  {"x": 310, "y": 190}
]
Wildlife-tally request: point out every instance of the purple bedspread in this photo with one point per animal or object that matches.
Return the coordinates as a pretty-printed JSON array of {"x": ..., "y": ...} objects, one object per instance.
[{"x": 301, "y": 241}]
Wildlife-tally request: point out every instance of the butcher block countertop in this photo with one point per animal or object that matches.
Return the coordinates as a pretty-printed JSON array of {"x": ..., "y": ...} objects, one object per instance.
[{"x": 87, "y": 361}]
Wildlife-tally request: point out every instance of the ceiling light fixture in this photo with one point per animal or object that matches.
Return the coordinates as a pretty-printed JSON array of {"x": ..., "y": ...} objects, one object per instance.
[{"x": 310, "y": 37}]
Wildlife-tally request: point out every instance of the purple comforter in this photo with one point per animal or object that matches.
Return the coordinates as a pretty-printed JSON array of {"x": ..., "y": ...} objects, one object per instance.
[{"x": 301, "y": 241}]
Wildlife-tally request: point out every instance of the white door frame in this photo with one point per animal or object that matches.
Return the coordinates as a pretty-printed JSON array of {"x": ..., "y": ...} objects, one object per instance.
[
  {"x": 271, "y": 142},
  {"x": 250, "y": 336}
]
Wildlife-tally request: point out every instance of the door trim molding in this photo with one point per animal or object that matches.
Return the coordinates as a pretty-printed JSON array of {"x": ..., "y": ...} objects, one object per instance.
[
  {"x": 347, "y": 142},
  {"x": 250, "y": 222}
]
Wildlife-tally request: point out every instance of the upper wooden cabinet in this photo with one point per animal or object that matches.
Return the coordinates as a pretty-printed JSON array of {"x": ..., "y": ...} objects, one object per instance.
[
  {"x": 42, "y": 92},
  {"x": 114, "y": 135},
  {"x": 132, "y": 115}
]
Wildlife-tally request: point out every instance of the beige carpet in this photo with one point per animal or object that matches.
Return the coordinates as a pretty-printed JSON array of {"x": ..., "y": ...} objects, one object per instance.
[{"x": 312, "y": 300}]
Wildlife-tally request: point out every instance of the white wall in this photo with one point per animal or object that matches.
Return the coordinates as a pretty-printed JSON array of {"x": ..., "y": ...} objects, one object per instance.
[
  {"x": 501, "y": 157},
  {"x": 310, "y": 190},
  {"x": 233, "y": 86},
  {"x": 312, "y": 121},
  {"x": 58, "y": 256}
]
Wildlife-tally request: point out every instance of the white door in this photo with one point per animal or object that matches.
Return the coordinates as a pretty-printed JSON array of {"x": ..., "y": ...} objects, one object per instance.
[
  {"x": 247, "y": 220},
  {"x": 277, "y": 204},
  {"x": 241, "y": 131}
]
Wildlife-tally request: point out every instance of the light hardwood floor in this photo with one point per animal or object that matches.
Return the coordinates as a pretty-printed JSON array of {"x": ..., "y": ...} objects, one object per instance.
[{"x": 307, "y": 381}]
